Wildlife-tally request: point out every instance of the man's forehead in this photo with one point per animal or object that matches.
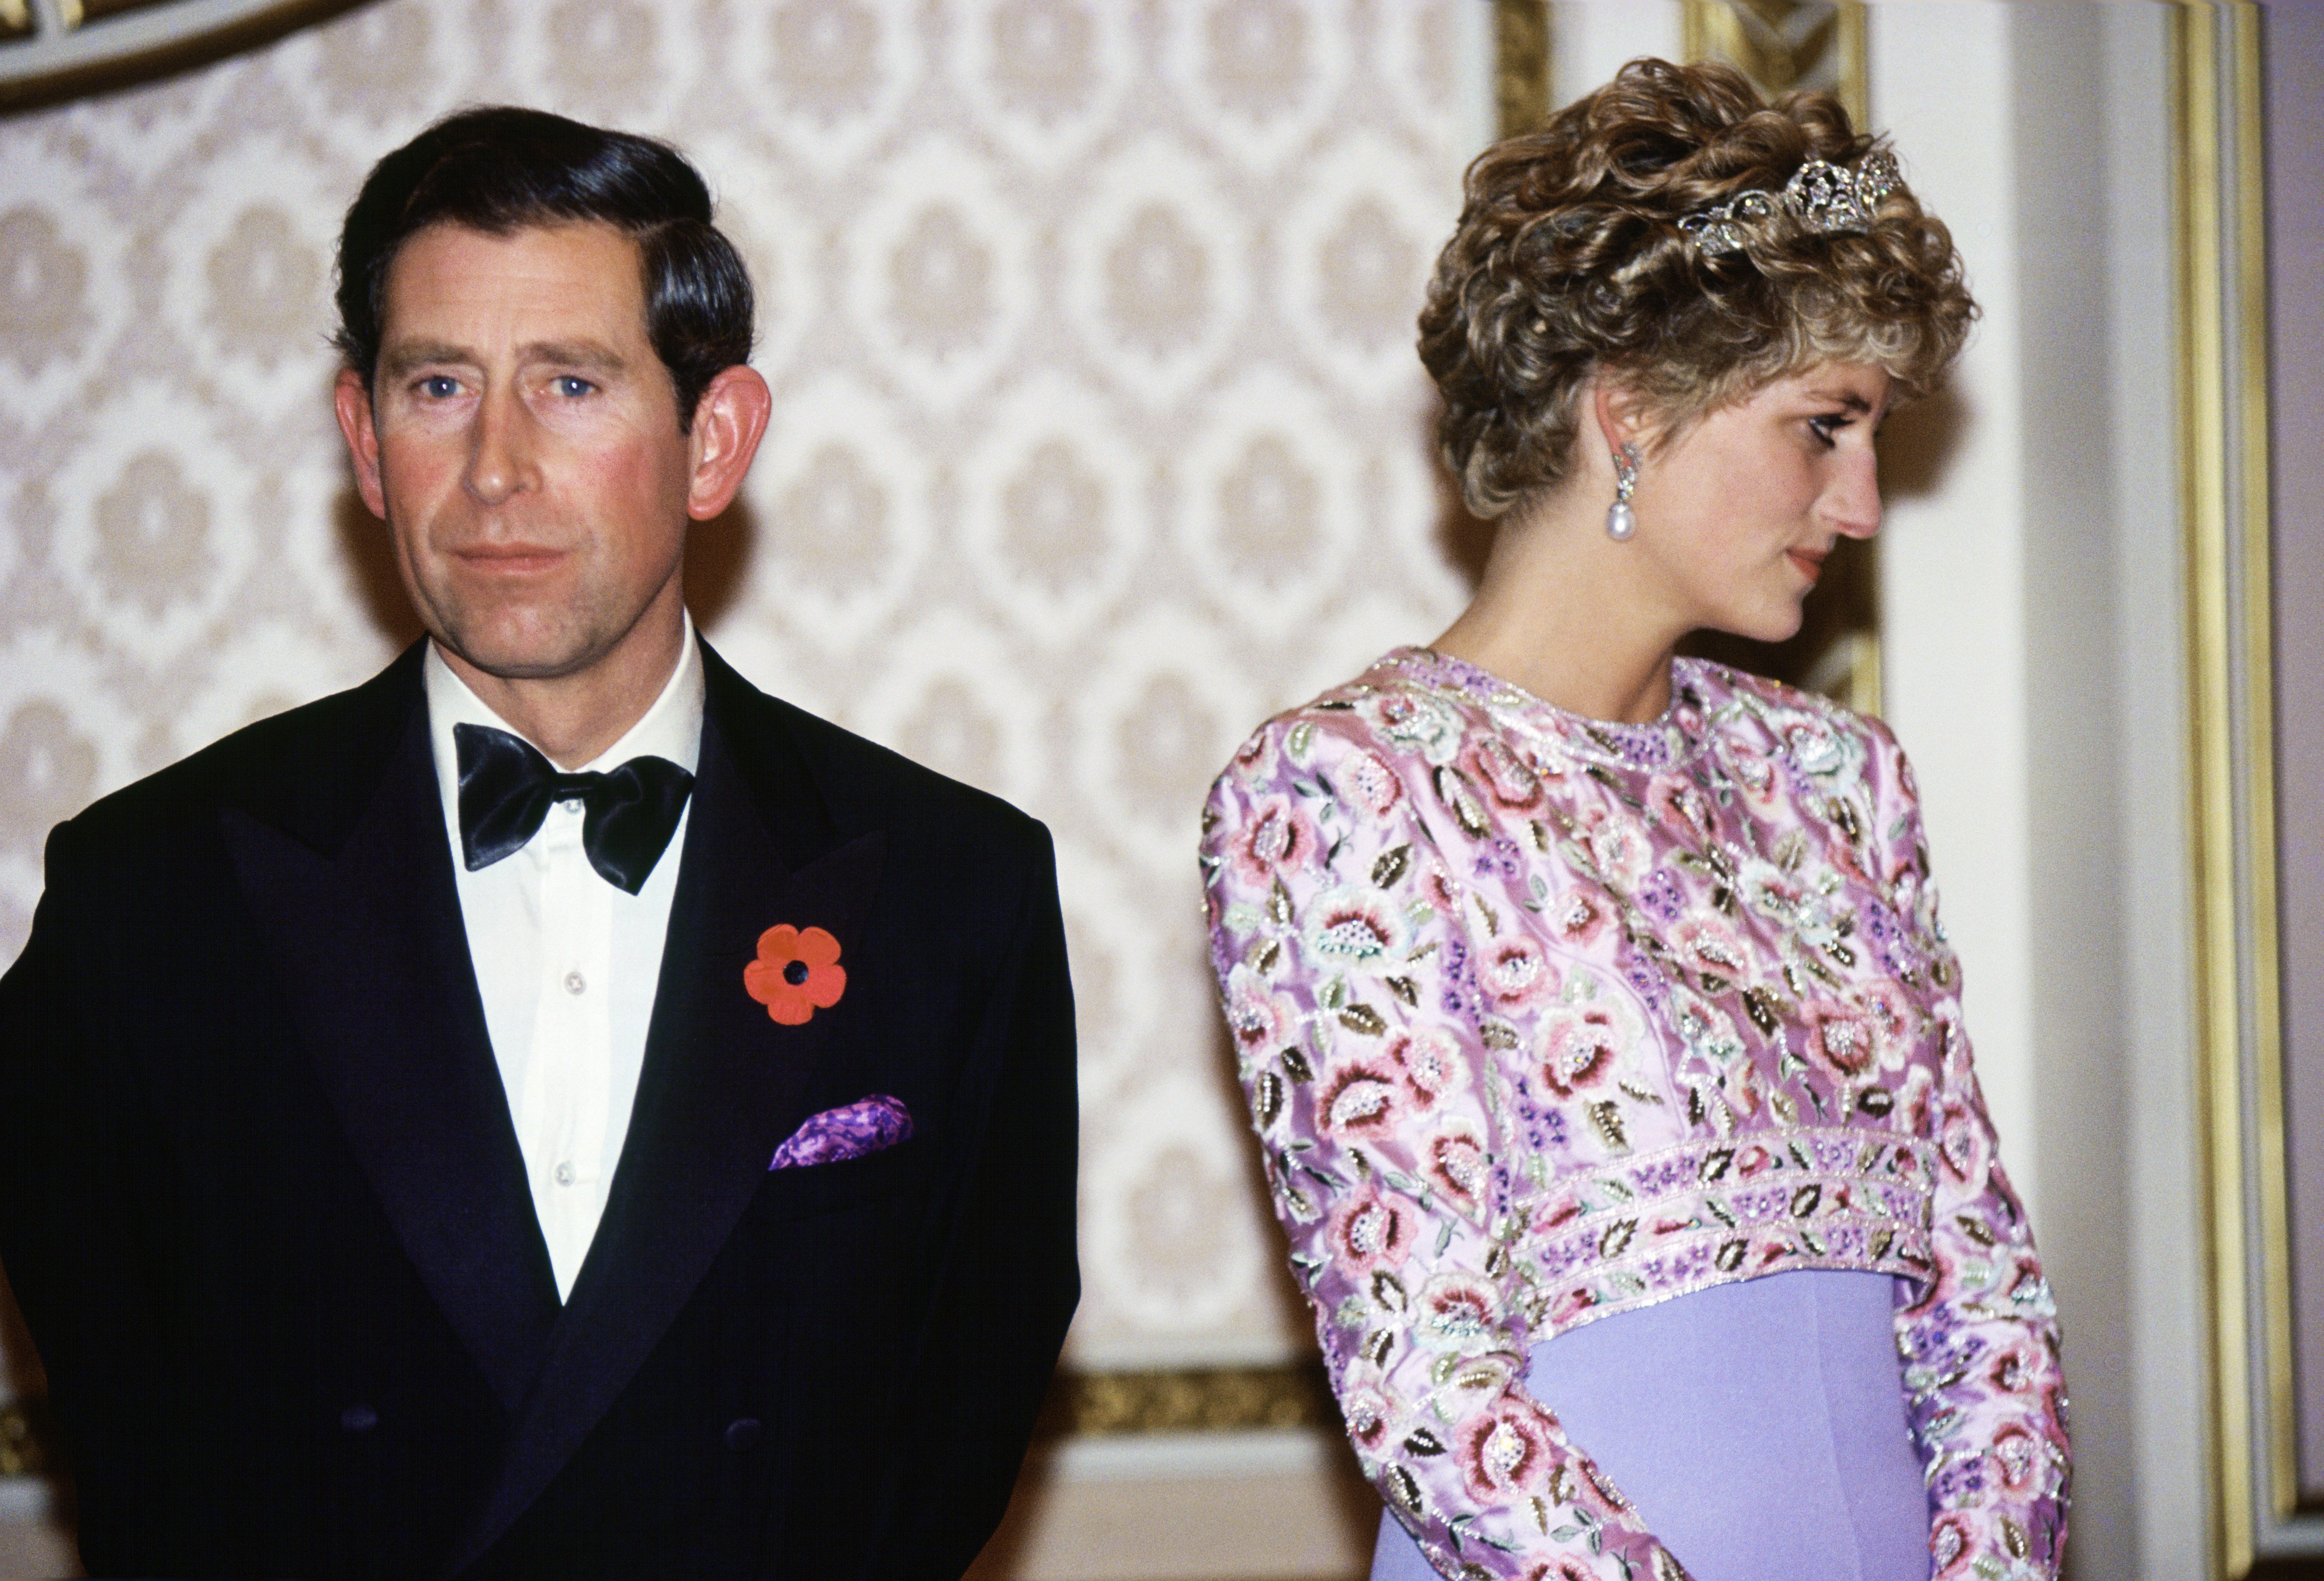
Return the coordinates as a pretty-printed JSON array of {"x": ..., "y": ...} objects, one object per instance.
[{"x": 584, "y": 265}]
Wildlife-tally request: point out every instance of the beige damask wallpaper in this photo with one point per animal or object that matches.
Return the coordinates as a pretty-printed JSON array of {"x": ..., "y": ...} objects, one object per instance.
[{"x": 1099, "y": 436}]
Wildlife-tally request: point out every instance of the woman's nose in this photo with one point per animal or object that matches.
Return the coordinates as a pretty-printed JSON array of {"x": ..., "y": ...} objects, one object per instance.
[{"x": 1853, "y": 504}]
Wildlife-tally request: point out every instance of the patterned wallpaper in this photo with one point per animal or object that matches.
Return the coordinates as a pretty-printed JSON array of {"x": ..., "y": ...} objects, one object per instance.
[{"x": 1098, "y": 436}]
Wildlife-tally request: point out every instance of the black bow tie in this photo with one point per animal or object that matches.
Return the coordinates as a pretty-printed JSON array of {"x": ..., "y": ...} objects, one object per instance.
[{"x": 507, "y": 787}]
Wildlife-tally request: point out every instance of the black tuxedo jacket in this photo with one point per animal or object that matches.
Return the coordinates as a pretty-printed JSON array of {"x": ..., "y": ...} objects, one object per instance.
[{"x": 263, "y": 1207}]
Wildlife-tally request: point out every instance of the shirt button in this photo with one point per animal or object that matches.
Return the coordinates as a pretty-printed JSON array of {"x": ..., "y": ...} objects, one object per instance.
[
  {"x": 574, "y": 983},
  {"x": 742, "y": 1435},
  {"x": 564, "y": 1173}
]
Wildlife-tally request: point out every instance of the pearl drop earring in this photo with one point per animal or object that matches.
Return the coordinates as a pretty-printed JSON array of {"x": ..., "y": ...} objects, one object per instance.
[{"x": 1620, "y": 519}]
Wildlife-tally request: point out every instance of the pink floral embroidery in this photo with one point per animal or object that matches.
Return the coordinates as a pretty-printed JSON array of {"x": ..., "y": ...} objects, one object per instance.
[
  {"x": 1840, "y": 1039},
  {"x": 1355, "y": 928},
  {"x": 1516, "y": 972},
  {"x": 1681, "y": 806},
  {"x": 1370, "y": 1231},
  {"x": 1504, "y": 1451},
  {"x": 1260, "y": 1022},
  {"x": 1709, "y": 947},
  {"x": 1458, "y": 1165},
  {"x": 1577, "y": 918},
  {"x": 1366, "y": 1414},
  {"x": 1371, "y": 784},
  {"x": 1432, "y": 1065},
  {"x": 1504, "y": 775},
  {"x": 1362, "y": 1099},
  {"x": 1280, "y": 837},
  {"x": 1578, "y": 1047}
]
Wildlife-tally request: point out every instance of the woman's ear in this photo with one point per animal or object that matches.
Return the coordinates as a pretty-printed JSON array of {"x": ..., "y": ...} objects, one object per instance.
[{"x": 1621, "y": 414}]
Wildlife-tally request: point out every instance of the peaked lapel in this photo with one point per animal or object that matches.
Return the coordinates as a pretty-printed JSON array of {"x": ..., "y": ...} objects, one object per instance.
[
  {"x": 354, "y": 893},
  {"x": 722, "y": 1082}
]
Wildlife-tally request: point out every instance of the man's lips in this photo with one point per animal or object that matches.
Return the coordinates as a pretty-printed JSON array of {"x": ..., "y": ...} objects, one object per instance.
[{"x": 514, "y": 560}]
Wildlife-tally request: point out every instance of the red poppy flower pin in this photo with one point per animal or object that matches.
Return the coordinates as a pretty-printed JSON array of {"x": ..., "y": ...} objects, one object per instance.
[{"x": 796, "y": 973}]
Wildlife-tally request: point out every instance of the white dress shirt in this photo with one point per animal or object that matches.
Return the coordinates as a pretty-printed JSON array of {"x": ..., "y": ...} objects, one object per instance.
[{"x": 566, "y": 963}]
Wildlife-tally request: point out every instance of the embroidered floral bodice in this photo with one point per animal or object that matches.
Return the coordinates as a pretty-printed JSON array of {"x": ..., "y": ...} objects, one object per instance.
[{"x": 1543, "y": 1018}]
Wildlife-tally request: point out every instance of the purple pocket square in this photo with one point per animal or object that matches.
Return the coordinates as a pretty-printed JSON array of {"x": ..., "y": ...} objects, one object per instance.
[{"x": 848, "y": 1131}]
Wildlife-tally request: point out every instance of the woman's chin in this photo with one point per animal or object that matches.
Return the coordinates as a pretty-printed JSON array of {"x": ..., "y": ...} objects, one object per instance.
[{"x": 1771, "y": 627}]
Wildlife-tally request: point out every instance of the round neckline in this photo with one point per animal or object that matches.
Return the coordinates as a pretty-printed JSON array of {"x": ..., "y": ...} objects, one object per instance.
[{"x": 1668, "y": 736}]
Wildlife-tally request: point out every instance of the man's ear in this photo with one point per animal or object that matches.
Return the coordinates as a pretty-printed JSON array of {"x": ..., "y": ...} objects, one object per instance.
[
  {"x": 729, "y": 421},
  {"x": 351, "y": 399}
]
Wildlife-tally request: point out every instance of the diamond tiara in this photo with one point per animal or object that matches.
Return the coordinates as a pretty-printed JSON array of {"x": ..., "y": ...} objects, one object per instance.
[{"x": 1821, "y": 195}]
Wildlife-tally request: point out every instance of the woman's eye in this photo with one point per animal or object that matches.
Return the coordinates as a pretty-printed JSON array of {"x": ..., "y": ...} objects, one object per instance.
[{"x": 1827, "y": 426}]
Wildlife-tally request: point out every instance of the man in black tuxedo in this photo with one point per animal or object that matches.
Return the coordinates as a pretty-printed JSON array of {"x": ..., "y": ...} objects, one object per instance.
[{"x": 553, "y": 1110}]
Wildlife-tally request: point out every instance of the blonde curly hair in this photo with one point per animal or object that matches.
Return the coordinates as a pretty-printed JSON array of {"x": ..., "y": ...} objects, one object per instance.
[{"x": 1568, "y": 259}]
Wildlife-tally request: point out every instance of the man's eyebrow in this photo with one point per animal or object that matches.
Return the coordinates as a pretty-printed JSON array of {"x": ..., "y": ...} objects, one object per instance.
[
  {"x": 406, "y": 356},
  {"x": 574, "y": 354}
]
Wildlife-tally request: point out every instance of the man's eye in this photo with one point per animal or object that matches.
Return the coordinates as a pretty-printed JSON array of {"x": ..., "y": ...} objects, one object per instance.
[
  {"x": 439, "y": 387},
  {"x": 571, "y": 384}
]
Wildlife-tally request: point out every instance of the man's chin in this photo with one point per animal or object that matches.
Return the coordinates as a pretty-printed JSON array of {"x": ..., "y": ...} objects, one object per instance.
[{"x": 516, "y": 658}]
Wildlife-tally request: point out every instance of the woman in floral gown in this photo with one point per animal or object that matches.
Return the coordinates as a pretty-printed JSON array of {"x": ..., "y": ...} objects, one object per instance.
[{"x": 1603, "y": 1046}]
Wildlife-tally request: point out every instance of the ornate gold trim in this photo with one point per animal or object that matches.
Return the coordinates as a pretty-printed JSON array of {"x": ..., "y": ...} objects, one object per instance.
[
  {"x": 1196, "y": 1400},
  {"x": 20, "y": 1437},
  {"x": 71, "y": 54},
  {"x": 2256, "y": 526},
  {"x": 2202, "y": 469},
  {"x": 1785, "y": 45},
  {"x": 1522, "y": 77},
  {"x": 2219, "y": 177}
]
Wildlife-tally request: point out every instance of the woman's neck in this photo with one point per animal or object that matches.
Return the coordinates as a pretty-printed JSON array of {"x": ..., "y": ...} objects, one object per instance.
[{"x": 1559, "y": 614}]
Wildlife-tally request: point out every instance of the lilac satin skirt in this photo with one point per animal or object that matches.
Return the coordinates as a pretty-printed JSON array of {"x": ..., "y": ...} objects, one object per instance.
[{"x": 1759, "y": 1429}]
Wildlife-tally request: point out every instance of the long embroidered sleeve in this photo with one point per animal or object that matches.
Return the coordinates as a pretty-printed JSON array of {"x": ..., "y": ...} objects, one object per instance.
[
  {"x": 1983, "y": 1368},
  {"x": 1542, "y": 1020}
]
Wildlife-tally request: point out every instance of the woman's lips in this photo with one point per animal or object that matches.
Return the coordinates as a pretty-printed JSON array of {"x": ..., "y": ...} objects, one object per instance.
[{"x": 1809, "y": 561}]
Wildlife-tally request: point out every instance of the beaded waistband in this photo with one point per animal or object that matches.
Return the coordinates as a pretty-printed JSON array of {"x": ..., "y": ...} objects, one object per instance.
[{"x": 1643, "y": 1229}]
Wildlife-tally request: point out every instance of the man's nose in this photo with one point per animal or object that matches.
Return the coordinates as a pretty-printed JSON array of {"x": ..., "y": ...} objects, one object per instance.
[{"x": 501, "y": 452}]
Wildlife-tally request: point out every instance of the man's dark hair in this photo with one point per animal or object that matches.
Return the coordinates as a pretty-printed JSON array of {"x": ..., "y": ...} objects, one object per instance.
[{"x": 500, "y": 169}]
